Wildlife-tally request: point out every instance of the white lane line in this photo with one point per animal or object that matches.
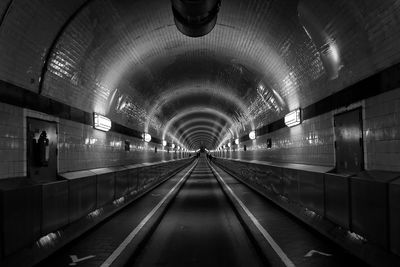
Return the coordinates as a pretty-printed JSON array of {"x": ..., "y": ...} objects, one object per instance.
[
  {"x": 135, "y": 231},
  {"x": 285, "y": 259}
]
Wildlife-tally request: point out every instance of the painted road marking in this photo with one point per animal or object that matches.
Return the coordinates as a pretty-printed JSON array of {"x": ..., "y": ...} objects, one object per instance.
[
  {"x": 312, "y": 252},
  {"x": 75, "y": 259},
  {"x": 285, "y": 259},
  {"x": 135, "y": 231}
]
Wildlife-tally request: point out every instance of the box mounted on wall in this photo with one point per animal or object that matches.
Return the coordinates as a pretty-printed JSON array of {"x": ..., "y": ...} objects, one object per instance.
[
  {"x": 146, "y": 137},
  {"x": 101, "y": 122},
  {"x": 293, "y": 118}
]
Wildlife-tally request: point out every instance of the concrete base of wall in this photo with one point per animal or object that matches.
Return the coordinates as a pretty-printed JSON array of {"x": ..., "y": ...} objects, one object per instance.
[
  {"x": 50, "y": 243},
  {"x": 356, "y": 245}
]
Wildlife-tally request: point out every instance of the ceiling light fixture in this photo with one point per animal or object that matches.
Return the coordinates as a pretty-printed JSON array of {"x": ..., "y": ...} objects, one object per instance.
[{"x": 195, "y": 18}]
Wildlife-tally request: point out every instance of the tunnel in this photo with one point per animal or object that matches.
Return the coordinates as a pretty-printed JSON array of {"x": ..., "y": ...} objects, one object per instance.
[{"x": 199, "y": 133}]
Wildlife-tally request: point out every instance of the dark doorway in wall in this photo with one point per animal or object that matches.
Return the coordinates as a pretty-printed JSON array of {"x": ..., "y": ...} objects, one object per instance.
[
  {"x": 41, "y": 149},
  {"x": 349, "y": 141},
  {"x": 127, "y": 145}
]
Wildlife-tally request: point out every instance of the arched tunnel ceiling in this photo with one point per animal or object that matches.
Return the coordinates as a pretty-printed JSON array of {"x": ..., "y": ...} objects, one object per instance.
[{"x": 127, "y": 60}]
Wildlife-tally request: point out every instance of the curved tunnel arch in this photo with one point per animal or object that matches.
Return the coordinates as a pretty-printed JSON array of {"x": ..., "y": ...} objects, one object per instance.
[
  {"x": 189, "y": 131},
  {"x": 196, "y": 121},
  {"x": 182, "y": 131},
  {"x": 100, "y": 52},
  {"x": 203, "y": 133},
  {"x": 198, "y": 110},
  {"x": 49, "y": 51},
  {"x": 140, "y": 51},
  {"x": 127, "y": 60},
  {"x": 211, "y": 139},
  {"x": 187, "y": 91},
  {"x": 182, "y": 127},
  {"x": 294, "y": 75},
  {"x": 200, "y": 139}
]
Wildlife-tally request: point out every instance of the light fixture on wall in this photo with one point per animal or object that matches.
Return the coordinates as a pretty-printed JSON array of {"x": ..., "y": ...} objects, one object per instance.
[
  {"x": 229, "y": 144},
  {"x": 252, "y": 135},
  {"x": 236, "y": 141},
  {"x": 173, "y": 146},
  {"x": 293, "y": 118},
  {"x": 164, "y": 143},
  {"x": 101, "y": 122},
  {"x": 179, "y": 148},
  {"x": 146, "y": 137}
]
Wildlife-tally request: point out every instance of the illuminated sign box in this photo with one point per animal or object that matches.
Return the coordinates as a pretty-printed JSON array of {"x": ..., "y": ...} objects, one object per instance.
[
  {"x": 164, "y": 143},
  {"x": 146, "y": 137},
  {"x": 252, "y": 135},
  {"x": 101, "y": 122},
  {"x": 293, "y": 118}
]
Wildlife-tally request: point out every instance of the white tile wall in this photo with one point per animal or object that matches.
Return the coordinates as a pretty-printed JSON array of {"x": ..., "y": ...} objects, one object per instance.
[
  {"x": 382, "y": 131},
  {"x": 12, "y": 143},
  {"x": 312, "y": 142},
  {"x": 309, "y": 143},
  {"x": 80, "y": 146}
]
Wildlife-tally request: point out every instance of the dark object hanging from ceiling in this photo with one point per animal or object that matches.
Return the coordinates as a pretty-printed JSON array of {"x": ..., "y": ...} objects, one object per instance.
[{"x": 195, "y": 18}]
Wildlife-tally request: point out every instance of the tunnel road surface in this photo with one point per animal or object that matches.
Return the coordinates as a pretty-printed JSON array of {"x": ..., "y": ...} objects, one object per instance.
[{"x": 200, "y": 228}]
